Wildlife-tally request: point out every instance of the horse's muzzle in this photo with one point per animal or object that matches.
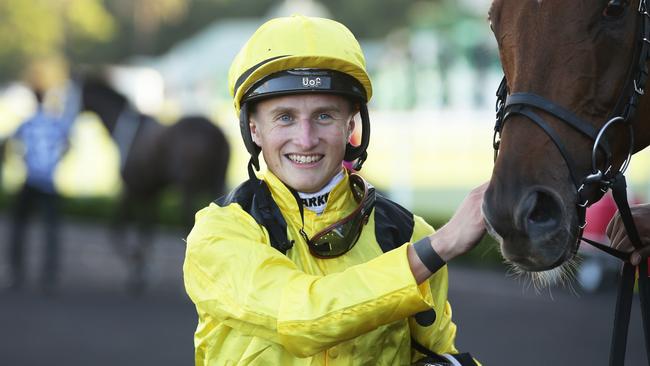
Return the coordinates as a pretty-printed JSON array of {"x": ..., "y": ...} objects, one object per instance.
[{"x": 533, "y": 231}]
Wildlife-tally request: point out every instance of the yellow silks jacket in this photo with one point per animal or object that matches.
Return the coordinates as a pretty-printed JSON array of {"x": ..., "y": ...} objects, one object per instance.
[{"x": 257, "y": 306}]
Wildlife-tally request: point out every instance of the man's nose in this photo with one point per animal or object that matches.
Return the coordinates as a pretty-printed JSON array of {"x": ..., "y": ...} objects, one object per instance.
[{"x": 306, "y": 136}]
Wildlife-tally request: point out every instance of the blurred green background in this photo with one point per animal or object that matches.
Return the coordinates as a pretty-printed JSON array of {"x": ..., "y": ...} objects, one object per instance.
[
  {"x": 434, "y": 67},
  {"x": 435, "y": 70}
]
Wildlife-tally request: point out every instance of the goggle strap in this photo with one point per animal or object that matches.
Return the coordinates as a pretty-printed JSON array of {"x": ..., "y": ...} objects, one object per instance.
[
  {"x": 251, "y": 171},
  {"x": 245, "y": 130},
  {"x": 272, "y": 218},
  {"x": 359, "y": 163}
]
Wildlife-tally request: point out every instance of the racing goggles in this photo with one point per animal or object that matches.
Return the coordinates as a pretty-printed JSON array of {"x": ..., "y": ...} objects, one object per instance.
[{"x": 338, "y": 238}]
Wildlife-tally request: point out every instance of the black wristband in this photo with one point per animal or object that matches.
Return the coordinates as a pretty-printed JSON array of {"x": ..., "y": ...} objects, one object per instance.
[{"x": 427, "y": 255}]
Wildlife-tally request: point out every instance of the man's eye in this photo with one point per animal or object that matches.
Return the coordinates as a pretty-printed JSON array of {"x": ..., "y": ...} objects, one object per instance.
[
  {"x": 324, "y": 116},
  {"x": 285, "y": 118}
]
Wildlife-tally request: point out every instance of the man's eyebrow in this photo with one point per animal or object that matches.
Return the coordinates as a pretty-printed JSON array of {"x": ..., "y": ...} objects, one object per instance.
[
  {"x": 320, "y": 109},
  {"x": 282, "y": 109},
  {"x": 328, "y": 108}
]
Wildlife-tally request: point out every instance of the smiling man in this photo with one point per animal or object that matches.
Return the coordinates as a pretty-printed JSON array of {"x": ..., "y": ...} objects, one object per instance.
[
  {"x": 305, "y": 264},
  {"x": 303, "y": 137}
]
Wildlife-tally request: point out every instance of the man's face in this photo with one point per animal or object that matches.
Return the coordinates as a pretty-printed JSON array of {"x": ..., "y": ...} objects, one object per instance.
[{"x": 303, "y": 137}]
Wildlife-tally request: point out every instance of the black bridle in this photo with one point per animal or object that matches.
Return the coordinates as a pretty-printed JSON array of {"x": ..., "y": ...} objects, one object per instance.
[{"x": 526, "y": 104}]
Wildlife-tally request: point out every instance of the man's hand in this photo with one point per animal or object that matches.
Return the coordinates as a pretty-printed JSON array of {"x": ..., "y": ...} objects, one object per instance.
[
  {"x": 618, "y": 236},
  {"x": 464, "y": 230},
  {"x": 458, "y": 236}
]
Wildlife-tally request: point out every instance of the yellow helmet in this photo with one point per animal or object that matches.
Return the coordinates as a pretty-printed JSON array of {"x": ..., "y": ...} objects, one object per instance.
[
  {"x": 297, "y": 42},
  {"x": 300, "y": 54}
]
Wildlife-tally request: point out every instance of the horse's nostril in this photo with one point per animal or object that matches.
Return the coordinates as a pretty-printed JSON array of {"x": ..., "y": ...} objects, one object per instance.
[
  {"x": 541, "y": 212},
  {"x": 545, "y": 209}
]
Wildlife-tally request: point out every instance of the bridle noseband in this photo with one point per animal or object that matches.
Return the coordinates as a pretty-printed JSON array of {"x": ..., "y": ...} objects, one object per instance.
[{"x": 527, "y": 105}]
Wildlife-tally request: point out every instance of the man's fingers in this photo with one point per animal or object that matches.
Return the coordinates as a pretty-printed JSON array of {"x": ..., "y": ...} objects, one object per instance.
[
  {"x": 610, "y": 225},
  {"x": 619, "y": 225},
  {"x": 616, "y": 235},
  {"x": 640, "y": 255},
  {"x": 619, "y": 240},
  {"x": 615, "y": 225},
  {"x": 615, "y": 229},
  {"x": 624, "y": 245}
]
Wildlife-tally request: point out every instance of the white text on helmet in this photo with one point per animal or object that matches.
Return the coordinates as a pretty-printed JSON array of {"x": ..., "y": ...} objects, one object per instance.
[{"x": 311, "y": 83}]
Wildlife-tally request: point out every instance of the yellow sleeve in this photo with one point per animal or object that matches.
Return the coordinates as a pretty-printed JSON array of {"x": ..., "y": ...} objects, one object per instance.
[
  {"x": 234, "y": 276},
  {"x": 440, "y": 336}
]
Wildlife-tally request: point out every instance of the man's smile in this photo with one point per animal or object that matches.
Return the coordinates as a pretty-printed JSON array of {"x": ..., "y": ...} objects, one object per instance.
[{"x": 305, "y": 159}]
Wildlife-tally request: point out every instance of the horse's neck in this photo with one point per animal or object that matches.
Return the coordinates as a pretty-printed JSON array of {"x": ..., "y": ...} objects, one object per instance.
[{"x": 125, "y": 130}]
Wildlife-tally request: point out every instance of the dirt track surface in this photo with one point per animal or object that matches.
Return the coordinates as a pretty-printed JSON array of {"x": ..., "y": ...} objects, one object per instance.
[{"x": 92, "y": 320}]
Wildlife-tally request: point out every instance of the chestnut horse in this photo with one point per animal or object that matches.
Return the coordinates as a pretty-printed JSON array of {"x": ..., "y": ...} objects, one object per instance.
[
  {"x": 191, "y": 156},
  {"x": 571, "y": 111},
  {"x": 563, "y": 60}
]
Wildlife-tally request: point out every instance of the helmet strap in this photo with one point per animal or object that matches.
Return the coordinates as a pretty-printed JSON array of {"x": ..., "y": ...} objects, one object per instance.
[
  {"x": 251, "y": 170},
  {"x": 251, "y": 146},
  {"x": 359, "y": 163}
]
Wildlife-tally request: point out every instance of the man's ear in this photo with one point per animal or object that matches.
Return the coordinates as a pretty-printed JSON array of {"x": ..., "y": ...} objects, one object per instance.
[
  {"x": 353, "y": 119},
  {"x": 252, "y": 125},
  {"x": 254, "y": 132},
  {"x": 351, "y": 124}
]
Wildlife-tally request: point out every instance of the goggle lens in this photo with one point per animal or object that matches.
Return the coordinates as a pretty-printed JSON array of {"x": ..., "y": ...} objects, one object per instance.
[{"x": 338, "y": 238}]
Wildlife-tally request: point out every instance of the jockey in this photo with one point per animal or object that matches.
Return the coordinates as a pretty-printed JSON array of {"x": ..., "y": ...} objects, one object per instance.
[{"x": 304, "y": 263}]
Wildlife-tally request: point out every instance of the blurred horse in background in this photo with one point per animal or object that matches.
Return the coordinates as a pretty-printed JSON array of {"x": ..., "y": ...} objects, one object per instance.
[
  {"x": 191, "y": 156},
  {"x": 3, "y": 146},
  {"x": 574, "y": 104}
]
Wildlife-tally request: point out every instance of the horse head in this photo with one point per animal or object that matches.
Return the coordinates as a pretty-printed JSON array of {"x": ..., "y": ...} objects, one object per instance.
[
  {"x": 571, "y": 67},
  {"x": 99, "y": 97}
]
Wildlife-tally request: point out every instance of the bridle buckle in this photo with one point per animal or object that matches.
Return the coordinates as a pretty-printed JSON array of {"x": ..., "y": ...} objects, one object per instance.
[{"x": 637, "y": 89}]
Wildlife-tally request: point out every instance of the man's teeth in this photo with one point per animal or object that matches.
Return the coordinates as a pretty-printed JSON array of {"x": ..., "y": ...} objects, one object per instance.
[{"x": 305, "y": 159}]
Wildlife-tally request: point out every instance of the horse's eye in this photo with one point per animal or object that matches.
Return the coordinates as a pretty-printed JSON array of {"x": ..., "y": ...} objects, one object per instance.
[{"x": 615, "y": 8}]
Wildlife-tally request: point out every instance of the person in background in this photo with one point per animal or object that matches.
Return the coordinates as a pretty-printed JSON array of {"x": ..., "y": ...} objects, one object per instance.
[
  {"x": 44, "y": 141},
  {"x": 305, "y": 264}
]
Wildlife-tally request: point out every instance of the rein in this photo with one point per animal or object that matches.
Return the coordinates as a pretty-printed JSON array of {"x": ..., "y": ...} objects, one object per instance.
[{"x": 525, "y": 104}]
